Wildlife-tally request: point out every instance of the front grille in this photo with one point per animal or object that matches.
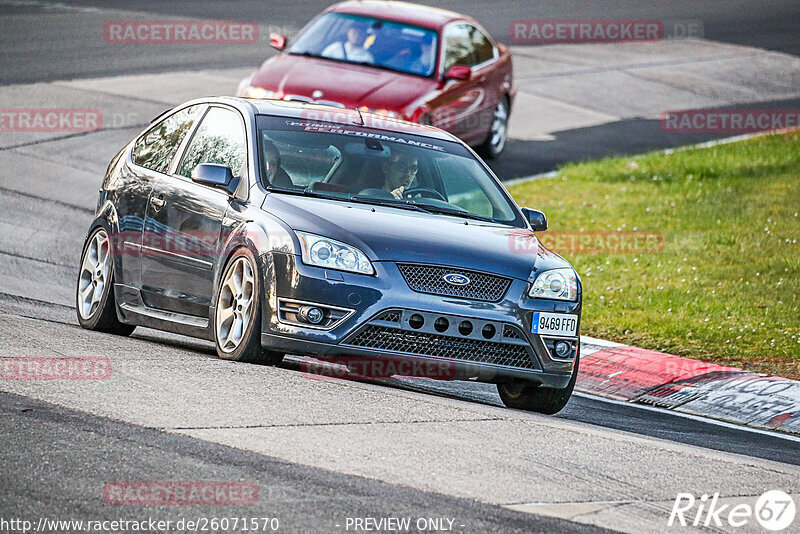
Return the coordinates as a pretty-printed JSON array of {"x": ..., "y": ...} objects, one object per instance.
[
  {"x": 425, "y": 344},
  {"x": 430, "y": 279},
  {"x": 393, "y": 316},
  {"x": 511, "y": 333}
]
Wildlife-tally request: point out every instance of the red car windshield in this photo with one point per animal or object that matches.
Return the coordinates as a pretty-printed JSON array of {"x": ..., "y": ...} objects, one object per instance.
[{"x": 375, "y": 42}]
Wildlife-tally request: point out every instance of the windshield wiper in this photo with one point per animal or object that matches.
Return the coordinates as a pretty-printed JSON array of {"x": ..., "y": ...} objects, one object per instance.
[
  {"x": 425, "y": 208},
  {"x": 457, "y": 213},
  {"x": 402, "y": 204},
  {"x": 302, "y": 192}
]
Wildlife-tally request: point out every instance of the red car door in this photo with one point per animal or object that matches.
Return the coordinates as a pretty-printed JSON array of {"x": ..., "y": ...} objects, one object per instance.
[{"x": 465, "y": 107}]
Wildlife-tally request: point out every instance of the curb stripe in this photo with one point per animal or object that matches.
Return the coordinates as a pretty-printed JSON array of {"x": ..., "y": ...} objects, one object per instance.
[{"x": 691, "y": 386}]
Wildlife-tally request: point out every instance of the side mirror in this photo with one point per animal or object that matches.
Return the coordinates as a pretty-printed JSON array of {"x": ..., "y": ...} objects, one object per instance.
[
  {"x": 536, "y": 218},
  {"x": 214, "y": 175},
  {"x": 277, "y": 41},
  {"x": 458, "y": 72}
]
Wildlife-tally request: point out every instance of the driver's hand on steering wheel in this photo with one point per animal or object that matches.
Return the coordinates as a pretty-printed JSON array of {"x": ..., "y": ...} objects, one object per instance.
[{"x": 398, "y": 193}]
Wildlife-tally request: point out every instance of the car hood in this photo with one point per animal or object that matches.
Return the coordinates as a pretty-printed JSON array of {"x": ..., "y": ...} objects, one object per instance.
[
  {"x": 351, "y": 85},
  {"x": 391, "y": 234}
]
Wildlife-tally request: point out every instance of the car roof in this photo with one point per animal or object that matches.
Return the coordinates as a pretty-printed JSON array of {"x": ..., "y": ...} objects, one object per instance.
[
  {"x": 323, "y": 113},
  {"x": 427, "y": 17}
]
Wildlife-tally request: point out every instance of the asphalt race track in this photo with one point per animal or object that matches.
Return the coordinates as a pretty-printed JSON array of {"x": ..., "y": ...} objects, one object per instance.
[{"x": 325, "y": 451}]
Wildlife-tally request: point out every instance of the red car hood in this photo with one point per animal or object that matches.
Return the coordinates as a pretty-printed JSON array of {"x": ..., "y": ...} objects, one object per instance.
[{"x": 351, "y": 85}]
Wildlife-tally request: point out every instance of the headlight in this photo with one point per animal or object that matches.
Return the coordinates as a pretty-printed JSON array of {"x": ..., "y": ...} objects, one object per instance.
[
  {"x": 559, "y": 284},
  {"x": 259, "y": 92},
  {"x": 323, "y": 252}
]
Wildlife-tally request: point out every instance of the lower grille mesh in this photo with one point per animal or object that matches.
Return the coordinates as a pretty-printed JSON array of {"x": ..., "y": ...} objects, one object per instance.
[{"x": 424, "y": 344}]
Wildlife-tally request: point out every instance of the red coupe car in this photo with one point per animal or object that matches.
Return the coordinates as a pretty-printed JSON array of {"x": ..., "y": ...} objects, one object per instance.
[{"x": 403, "y": 60}]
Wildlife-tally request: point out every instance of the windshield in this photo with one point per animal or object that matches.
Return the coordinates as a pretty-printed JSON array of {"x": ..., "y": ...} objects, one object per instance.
[
  {"x": 359, "y": 164},
  {"x": 380, "y": 43}
]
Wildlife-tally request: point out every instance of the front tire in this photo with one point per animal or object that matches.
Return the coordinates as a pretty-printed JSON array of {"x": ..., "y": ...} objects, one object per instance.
[
  {"x": 237, "y": 319},
  {"x": 535, "y": 398},
  {"x": 94, "y": 297},
  {"x": 496, "y": 138}
]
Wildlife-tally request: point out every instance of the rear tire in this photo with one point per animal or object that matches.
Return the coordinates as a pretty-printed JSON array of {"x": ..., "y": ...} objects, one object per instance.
[
  {"x": 535, "y": 398},
  {"x": 237, "y": 319},
  {"x": 95, "y": 304}
]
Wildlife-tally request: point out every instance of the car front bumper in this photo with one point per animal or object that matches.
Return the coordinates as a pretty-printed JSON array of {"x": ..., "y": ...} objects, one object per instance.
[{"x": 378, "y": 318}]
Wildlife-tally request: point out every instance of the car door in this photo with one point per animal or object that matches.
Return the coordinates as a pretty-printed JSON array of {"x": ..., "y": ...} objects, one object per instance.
[
  {"x": 184, "y": 219},
  {"x": 489, "y": 77},
  {"x": 151, "y": 156},
  {"x": 462, "y": 106}
]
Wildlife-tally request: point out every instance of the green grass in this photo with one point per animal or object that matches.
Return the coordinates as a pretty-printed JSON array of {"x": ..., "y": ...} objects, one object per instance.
[{"x": 725, "y": 286}]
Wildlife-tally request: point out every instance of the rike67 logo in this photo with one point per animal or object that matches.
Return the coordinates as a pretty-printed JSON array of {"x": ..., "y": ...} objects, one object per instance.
[{"x": 774, "y": 511}]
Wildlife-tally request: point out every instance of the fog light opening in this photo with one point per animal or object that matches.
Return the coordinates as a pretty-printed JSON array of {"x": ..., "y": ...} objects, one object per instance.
[
  {"x": 563, "y": 349},
  {"x": 441, "y": 324},
  {"x": 465, "y": 328},
  {"x": 488, "y": 331},
  {"x": 310, "y": 314},
  {"x": 416, "y": 321}
]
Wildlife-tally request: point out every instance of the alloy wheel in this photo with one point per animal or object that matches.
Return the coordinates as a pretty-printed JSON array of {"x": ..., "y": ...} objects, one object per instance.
[
  {"x": 499, "y": 127},
  {"x": 235, "y": 305},
  {"x": 95, "y": 274}
]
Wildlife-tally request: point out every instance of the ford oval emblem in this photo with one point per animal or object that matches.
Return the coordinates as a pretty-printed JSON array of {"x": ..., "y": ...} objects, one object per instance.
[{"x": 455, "y": 279}]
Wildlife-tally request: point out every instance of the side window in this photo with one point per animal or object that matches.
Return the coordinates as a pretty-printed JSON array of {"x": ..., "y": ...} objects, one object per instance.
[
  {"x": 458, "y": 46},
  {"x": 156, "y": 148},
  {"x": 484, "y": 51},
  {"x": 219, "y": 139},
  {"x": 466, "y": 45}
]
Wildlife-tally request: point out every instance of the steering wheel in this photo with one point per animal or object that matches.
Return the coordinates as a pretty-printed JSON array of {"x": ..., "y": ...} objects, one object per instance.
[{"x": 424, "y": 192}]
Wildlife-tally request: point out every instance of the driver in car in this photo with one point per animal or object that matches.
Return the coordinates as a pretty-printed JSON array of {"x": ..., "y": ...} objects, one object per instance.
[
  {"x": 351, "y": 50},
  {"x": 399, "y": 171}
]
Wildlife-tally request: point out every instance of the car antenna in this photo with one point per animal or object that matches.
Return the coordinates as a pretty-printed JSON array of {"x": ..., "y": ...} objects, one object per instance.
[{"x": 360, "y": 117}]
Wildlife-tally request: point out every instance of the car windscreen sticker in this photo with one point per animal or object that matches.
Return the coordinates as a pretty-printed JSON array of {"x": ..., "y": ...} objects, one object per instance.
[{"x": 323, "y": 127}]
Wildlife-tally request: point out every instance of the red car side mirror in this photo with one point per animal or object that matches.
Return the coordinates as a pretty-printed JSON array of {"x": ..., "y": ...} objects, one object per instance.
[
  {"x": 458, "y": 72},
  {"x": 277, "y": 41}
]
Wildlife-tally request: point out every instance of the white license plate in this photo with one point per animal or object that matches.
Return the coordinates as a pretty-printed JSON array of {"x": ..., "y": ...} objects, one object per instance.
[{"x": 559, "y": 324}]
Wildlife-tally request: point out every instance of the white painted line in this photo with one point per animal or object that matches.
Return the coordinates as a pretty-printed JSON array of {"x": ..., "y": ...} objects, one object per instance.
[
  {"x": 601, "y": 342},
  {"x": 707, "y": 144},
  {"x": 515, "y": 181},
  {"x": 771, "y": 433},
  {"x": 557, "y": 503}
]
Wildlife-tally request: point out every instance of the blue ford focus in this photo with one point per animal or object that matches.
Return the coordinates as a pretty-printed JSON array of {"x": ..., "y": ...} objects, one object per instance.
[{"x": 275, "y": 227}]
